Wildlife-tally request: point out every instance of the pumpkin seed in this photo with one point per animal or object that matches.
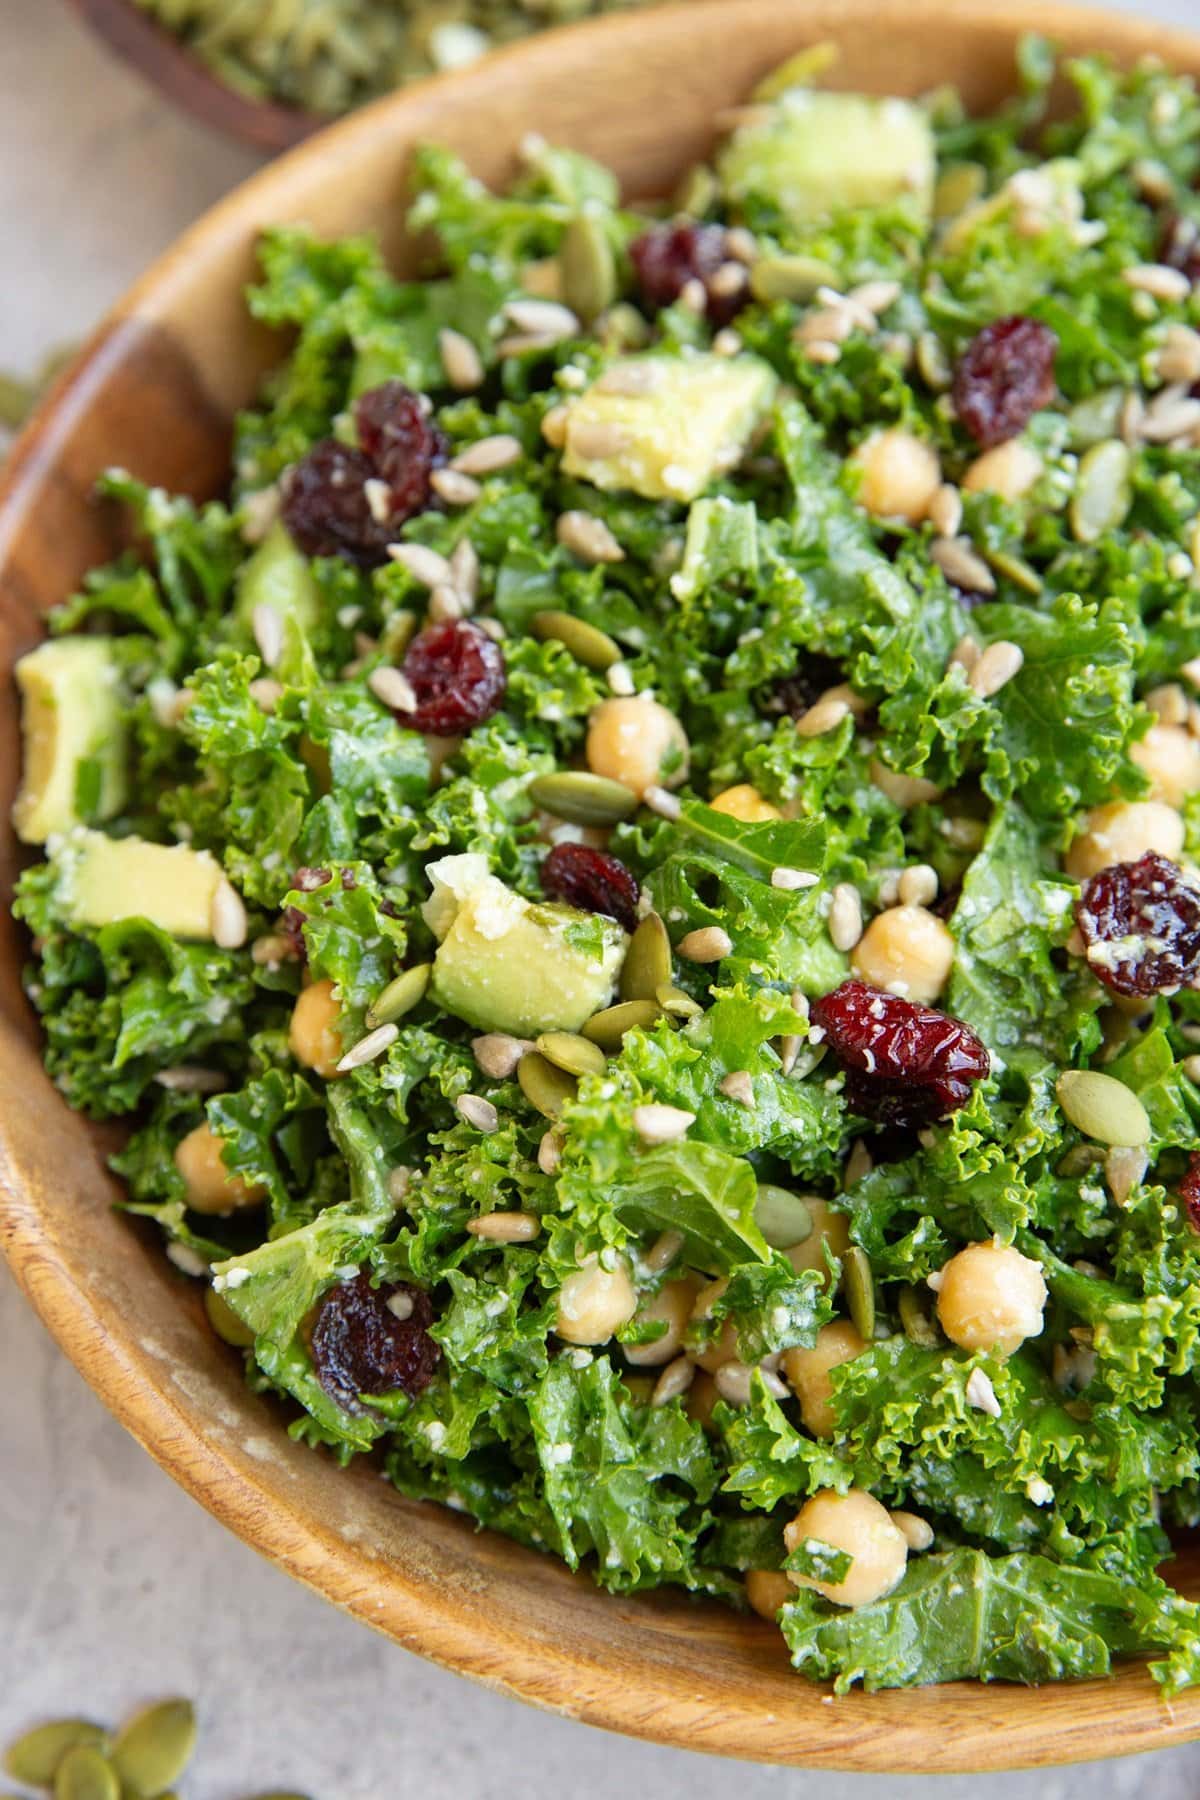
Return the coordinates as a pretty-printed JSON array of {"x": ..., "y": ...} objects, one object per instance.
[
  {"x": 399, "y": 996},
  {"x": 1103, "y": 492},
  {"x": 546, "y": 1087},
  {"x": 608, "y": 1028},
  {"x": 1014, "y": 569},
  {"x": 153, "y": 1750},
  {"x": 676, "y": 1004},
  {"x": 587, "y": 644},
  {"x": 647, "y": 965},
  {"x": 933, "y": 365},
  {"x": 624, "y": 328},
  {"x": 225, "y": 1322},
  {"x": 1098, "y": 417},
  {"x": 783, "y": 1217},
  {"x": 696, "y": 192},
  {"x": 919, "y": 1328},
  {"x": 1078, "y": 1160},
  {"x": 397, "y": 635},
  {"x": 567, "y": 1050},
  {"x": 859, "y": 1286},
  {"x": 35, "y": 1757},
  {"x": 799, "y": 71},
  {"x": 1103, "y": 1108},
  {"x": 958, "y": 186},
  {"x": 85, "y": 1773},
  {"x": 790, "y": 277},
  {"x": 582, "y": 798},
  {"x": 588, "y": 267}
]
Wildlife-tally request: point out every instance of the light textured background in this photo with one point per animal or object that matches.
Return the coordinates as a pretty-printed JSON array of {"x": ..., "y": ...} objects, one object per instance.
[{"x": 113, "y": 1586}]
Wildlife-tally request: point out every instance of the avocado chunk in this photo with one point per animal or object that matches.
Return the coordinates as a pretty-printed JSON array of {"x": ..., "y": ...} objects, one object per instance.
[
  {"x": 687, "y": 421},
  {"x": 102, "y": 880},
  {"x": 505, "y": 964},
  {"x": 74, "y": 737},
  {"x": 818, "y": 154},
  {"x": 278, "y": 576}
]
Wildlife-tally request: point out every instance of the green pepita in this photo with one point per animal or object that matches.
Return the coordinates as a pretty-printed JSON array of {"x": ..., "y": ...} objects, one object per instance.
[
  {"x": 153, "y": 1750},
  {"x": 35, "y": 1757},
  {"x": 567, "y": 1050},
  {"x": 1103, "y": 1108},
  {"x": 859, "y": 1286},
  {"x": 647, "y": 965},
  {"x": 933, "y": 365},
  {"x": 225, "y": 1322},
  {"x": 587, "y": 644},
  {"x": 1103, "y": 491},
  {"x": 588, "y": 267},
  {"x": 1098, "y": 417},
  {"x": 608, "y": 1028},
  {"x": 676, "y": 1004},
  {"x": 398, "y": 634},
  {"x": 1015, "y": 569},
  {"x": 1078, "y": 1160},
  {"x": 958, "y": 186},
  {"x": 85, "y": 1773},
  {"x": 624, "y": 328},
  {"x": 399, "y": 996},
  {"x": 801, "y": 70},
  {"x": 583, "y": 798},
  {"x": 546, "y": 1087},
  {"x": 917, "y": 1325},
  {"x": 783, "y": 1217},
  {"x": 698, "y": 190},
  {"x": 789, "y": 277}
]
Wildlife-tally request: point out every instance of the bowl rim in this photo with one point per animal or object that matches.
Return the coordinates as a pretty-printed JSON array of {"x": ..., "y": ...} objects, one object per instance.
[{"x": 975, "y": 1727}]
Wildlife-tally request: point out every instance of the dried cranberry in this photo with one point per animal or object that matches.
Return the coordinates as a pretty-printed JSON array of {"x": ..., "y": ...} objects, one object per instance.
[
  {"x": 457, "y": 674},
  {"x": 291, "y": 929},
  {"x": 666, "y": 257},
  {"x": 326, "y": 509},
  {"x": 403, "y": 443},
  {"x": 1179, "y": 246},
  {"x": 1141, "y": 923},
  {"x": 591, "y": 880},
  {"x": 906, "y": 1065},
  {"x": 361, "y": 1346},
  {"x": 1189, "y": 1190},
  {"x": 1004, "y": 376},
  {"x": 795, "y": 693},
  {"x": 308, "y": 880}
]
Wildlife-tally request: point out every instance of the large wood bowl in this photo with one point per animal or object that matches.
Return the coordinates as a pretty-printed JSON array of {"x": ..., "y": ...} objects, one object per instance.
[{"x": 154, "y": 391}]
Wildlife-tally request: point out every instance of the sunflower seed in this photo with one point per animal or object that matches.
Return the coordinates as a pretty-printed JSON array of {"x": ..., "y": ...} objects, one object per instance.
[
  {"x": 739, "y": 1086},
  {"x": 153, "y": 1750},
  {"x": 455, "y": 488},
  {"x": 1170, "y": 417},
  {"x": 791, "y": 880},
  {"x": 497, "y": 1054},
  {"x": 587, "y": 643},
  {"x": 373, "y": 1045},
  {"x": 547, "y": 1087},
  {"x": 227, "y": 920},
  {"x": 477, "y": 1112},
  {"x": 554, "y": 426},
  {"x": 1158, "y": 279},
  {"x": 784, "y": 1218},
  {"x": 186, "y": 1260},
  {"x": 267, "y": 627},
  {"x": 588, "y": 538},
  {"x": 859, "y": 1285},
  {"x": 597, "y": 441},
  {"x": 661, "y": 801},
  {"x": 187, "y": 1078},
  {"x": 461, "y": 361},
  {"x": 620, "y": 680},
  {"x": 1125, "y": 1168},
  {"x": 608, "y": 1028},
  {"x": 825, "y": 714},
  {"x": 582, "y": 798},
  {"x": 709, "y": 943},
  {"x": 918, "y": 1327},
  {"x": 980, "y": 1394},
  {"x": 265, "y": 693},
  {"x": 399, "y": 996},
  {"x": 663, "y": 1251},
  {"x": 674, "y": 1381},
  {"x": 958, "y": 562},
  {"x": 545, "y": 319},
  {"x": 632, "y": 378},
  {"x": 1103, "y": 1108},
  {"x": 647, "y": 965},
  {"x": 446, "y": 605},
  {"x": 918, "y": 885},
  {"x": 393, "y": 688},
  {"x": 588, "y": 267},
  {"x": 658, "y": 1124},
  {"x": 734, "y": 1383},
  {"x": 965, "y": 654},
  {"x": 845, "y": 916},
  {"x": 426, "y": 566},
  {"x": 822, "y": 350},
  {"x": 487, "y": 456},
  {"x": 946, "y": 510},
  {"x": 996, "y": 666},
  {"x": 35, "y": 1757},
  {"x": 830, "y": 325},
  {"x": 506, "y": 1227},
  {"x": 549, "y": 1154}
]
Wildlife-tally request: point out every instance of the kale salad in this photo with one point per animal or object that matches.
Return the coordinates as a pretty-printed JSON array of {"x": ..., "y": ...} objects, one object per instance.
[{"x": 633, "y": 881}]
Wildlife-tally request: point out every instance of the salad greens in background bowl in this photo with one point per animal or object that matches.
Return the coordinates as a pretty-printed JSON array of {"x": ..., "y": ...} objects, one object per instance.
[{"x": 611, "y": 866}]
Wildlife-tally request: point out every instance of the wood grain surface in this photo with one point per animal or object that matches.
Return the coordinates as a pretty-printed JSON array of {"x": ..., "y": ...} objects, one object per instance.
[{"x": 154, "y": 391}]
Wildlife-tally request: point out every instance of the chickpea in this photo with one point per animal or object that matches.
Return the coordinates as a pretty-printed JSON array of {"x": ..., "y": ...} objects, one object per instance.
[
  {"x": 637, "y": 742},
  {"x": 313, "y": 1034},
  {"x": 1121, "y": 832},
  {"x": 1170, "y": 756},
  {"x": 808, "y": 1373},
  {"x": 745, "y": 803},
  {"x": 991, "y": 1298},
  {"x": 857, "y": 1523},
  {"x": 671, "y": 1306},
  {"x": 724, "y": 1348},
  {"x": 595, "y": 1302},
  {"x": 905, "y": 791},
  {"x": 211, "y": 1186},
  {"x": 829, "y": 1227},
  {"x": 766, "y": 1590},
  {"x": 900, "y": 475},
  {"x": 1009, "y": 470},
  {"x": 908, "y": 951},
  {"x": 700, "y": 1399}
]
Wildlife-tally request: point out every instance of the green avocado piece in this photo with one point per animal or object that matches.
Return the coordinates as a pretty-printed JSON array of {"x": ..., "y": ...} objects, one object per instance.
[
  {"x": 504, "y": 964},
  {"x": 102, "y": 880},
  {"x": 819, "y": 153},
  {"x": 75, "y": 737},
  {"x": 278, "y": 576},
  {"x": 687, "y": 421}
]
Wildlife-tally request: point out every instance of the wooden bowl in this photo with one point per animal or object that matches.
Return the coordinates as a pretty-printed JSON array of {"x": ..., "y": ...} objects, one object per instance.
[{"x": 154, "y": 391}]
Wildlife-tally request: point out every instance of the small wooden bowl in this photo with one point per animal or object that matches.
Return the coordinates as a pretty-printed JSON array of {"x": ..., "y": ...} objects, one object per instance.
[{"x": 154, "y": 391}]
